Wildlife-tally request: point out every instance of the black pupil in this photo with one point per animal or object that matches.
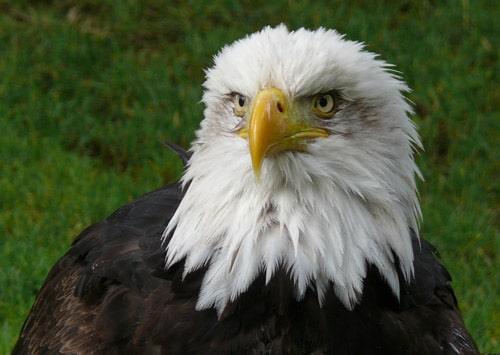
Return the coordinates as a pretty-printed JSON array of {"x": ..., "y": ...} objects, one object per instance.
[
  {"x": 241, "y": 101},
  {"x": 323, "y": 102}
]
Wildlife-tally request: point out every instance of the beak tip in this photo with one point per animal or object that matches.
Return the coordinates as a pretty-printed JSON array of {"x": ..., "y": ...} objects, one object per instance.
[{"x": 256, "y": 172}]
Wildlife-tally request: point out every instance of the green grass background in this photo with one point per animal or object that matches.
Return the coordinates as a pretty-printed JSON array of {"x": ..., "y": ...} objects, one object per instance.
[{"x": 87, "y": 92}]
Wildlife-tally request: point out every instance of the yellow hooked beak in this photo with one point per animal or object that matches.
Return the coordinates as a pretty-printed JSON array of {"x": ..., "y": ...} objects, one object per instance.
[{"x": 275, "y": 126}]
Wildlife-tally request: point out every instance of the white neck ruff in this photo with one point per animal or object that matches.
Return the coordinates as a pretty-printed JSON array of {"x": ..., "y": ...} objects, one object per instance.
[{"x": 324, "y": 225}]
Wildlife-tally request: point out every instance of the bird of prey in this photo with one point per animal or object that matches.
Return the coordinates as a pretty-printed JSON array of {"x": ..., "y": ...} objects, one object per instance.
[{"x": 294, "y": 229}]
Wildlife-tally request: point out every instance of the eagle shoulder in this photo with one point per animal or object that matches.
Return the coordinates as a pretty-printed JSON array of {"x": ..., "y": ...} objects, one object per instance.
[
  {"x": 112, "y": 293},
  {"x": 95, "y": 296}
]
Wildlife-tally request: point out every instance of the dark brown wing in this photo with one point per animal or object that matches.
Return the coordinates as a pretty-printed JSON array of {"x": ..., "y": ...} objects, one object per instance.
[
  {"x": 111, "y": 294},
  {"x": 426, "y": 319},
  {"x": 94, "y": 297}
]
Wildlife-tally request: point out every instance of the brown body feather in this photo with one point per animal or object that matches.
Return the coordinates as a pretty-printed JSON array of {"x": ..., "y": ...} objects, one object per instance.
[{"x": 110, "y": 294}]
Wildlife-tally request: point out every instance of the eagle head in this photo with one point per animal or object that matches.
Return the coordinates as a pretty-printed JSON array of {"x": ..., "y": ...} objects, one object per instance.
[{"x": 304, "y": 162}]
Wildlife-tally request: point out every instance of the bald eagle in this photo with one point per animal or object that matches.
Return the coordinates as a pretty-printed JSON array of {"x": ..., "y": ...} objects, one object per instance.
[{"x": 294, "y": 229}]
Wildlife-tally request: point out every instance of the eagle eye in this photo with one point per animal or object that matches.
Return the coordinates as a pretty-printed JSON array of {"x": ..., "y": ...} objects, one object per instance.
[
  {"x": 325, "y": 105},
  {"x": 240, "y": 104}
]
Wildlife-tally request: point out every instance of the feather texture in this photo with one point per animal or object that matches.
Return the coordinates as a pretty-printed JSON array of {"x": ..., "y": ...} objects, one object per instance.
[
  {"x": 348, "y": 202},
  {"x": 110, "y": 294},
  {"x": 320, "y": 256}
]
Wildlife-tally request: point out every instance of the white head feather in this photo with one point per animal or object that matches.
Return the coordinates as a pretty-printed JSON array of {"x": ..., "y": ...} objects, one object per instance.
[{"x": 323, "y": 214}]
